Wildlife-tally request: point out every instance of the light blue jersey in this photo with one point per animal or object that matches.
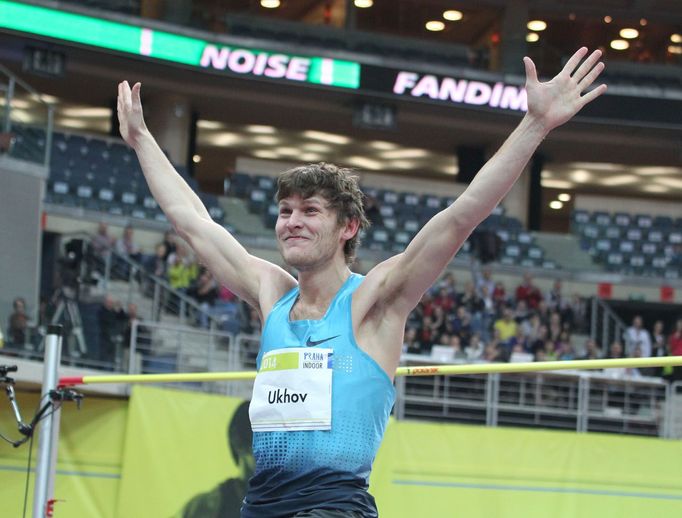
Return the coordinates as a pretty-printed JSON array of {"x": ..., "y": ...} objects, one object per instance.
[{"x": 302, "y": 470}]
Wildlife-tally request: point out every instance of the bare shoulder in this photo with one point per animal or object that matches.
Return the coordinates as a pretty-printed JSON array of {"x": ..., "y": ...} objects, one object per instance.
[
  {"x": 275, "y": 282},
  {"x": 376, "y": 291}
]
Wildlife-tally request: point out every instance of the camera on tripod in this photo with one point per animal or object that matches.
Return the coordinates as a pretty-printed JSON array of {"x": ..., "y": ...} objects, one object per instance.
[{"x": 74, "y": 265}]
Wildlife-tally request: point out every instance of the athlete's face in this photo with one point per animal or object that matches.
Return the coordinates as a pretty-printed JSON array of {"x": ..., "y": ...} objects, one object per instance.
[{"x": 309, "y": 233}]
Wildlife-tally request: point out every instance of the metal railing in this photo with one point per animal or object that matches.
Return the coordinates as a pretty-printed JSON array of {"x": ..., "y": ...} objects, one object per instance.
[
  {"x": 611, "y": 401},
  {"x": 605, "y": 325}
]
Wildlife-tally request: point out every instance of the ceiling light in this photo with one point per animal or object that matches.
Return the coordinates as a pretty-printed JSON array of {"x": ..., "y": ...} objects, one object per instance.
[
  {"x": 655, "y": 188},
  {"x": 331, "y": 138},
  {"x": 363, "y": 4},
  {"x": 619, "y": 44},
  {"x": 607, "y": 19},
  {"x": 676, "y": 38},
  {"x": 674, "y": 49},
  {"x": 564, "y": 196},
  {"x": 532, "y": 37},
  {"x": 597, "y": 166},
  {"x": 224, "y": 138},
  {"x": 22, "y": 116},
  {"x": 536, "y": 25},
  {"x": 434, "y": 25},
  {"x": 629, "y": 33},
  {"x": 556, "y": 205},
  {"x": 22, "y": 104},
  {"x": 268, "y": 140},
  {"x": 196, "y": 159},
  {"x": 287, "y": 151},
  {"x": 571, "y": 16},
  {"x": 401, "y": 164},
  {"x": 546, "y": 174},
  {"x": 643, "y": 22},
  {"x": 318, "y": 148},
  {"x": 382, "y": 145},
  {"x": 86, "y": 112},
  {"x": 270, "y": 4},
  {"x": 365, "y": 163},
  {"x": 259, "y": 128},
  {"x": 621, "y": 179},
  {"x": 656, "y": 170},
  {"x": 311, "y": 157},
  {"x": 265, "y": 153},
  {"x": 72, "y": 123},
  {"x": 580, "y": 176},
  {"x": 453, "y": 15},
  {"x": 450, "y": 169},
  {"x": 211, "y": 125},
  {"x": 405, "y": 153},
  {"x": 669, "y": 182},
  {"x": 556, "y": 184},
  {"x": 49, "y": 99}
]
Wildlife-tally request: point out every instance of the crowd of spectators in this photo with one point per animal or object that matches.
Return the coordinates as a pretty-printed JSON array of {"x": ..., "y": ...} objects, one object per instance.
[{"x": 479, "y": 320}]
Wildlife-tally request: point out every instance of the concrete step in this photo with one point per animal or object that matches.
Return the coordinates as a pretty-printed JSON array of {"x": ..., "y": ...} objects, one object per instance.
[{"x": 564, "y": 250}]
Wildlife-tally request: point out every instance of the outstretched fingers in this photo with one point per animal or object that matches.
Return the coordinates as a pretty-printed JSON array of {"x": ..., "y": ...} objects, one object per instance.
[
  {"x": 593, "y": 74},
  {"x": 587, "y": 66},
  {"x": 573, "y": 61}
]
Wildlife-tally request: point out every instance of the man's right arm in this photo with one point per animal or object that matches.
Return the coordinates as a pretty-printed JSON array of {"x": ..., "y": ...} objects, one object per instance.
[{"x": 259, "y": 282}]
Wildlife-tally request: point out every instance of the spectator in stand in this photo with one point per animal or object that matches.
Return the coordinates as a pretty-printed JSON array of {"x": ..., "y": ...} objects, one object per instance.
[
  {"x": 499, "y": 295},
  {"x": 494, "y": 353},
  {"x": 485, "y": 281},
  {"x": 675, "y": 348},
  {"x": 444, "y": 300},
  {"x": 487, "y": 314},
  {"x": 549, "y": 351},
  {"x": 471, "y": 300},
  {"x": 555, "y": 328},
  {"x": 528, "y": 292},
  {"x": 156, "y": 264},
  {"x": 518, "y": 342},
  {"x": 17, "y": 330},
  {"x": 537, "y": 342},
  {"x": 521, "y": 313},
  {"x": 636, "y": 336},
  {"x": 506, "y": 326},
  {"x": 102, "y": 242},
  {"x": 531, "y": 327},
  {"x": 438, "y": 320},
  {"x": 592, "y": 350},
  {"x": 427, "y": 334},
  {"x": 565, "y": 347},
  {"x": 449, "y": 283},
  {"x": 170, "y": 241},
  {"x": 555, "y": 299},
  {"x": 126, "y": 246},
  {"x": 474, "y": 351},
  {"x": 543, "y": 312},
  {"x": 410, "y": 343},
  {"x": 456, "y": 345},
  {"x": 615, "y": 350},
  {"x": 112, "y": 320},
  {"x": 659, "y": 347},
  {"x": 182, "y": 270},
  {"x": 205, "y": 291}
]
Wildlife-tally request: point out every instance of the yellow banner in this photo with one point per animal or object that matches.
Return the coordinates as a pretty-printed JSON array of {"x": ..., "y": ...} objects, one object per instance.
[
  {"x": 454, "y": 470},
  {"x": 187, "y": 454}
]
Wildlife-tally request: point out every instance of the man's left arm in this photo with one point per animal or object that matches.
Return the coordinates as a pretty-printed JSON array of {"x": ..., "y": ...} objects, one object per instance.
[{"x": 404, "y": 278}]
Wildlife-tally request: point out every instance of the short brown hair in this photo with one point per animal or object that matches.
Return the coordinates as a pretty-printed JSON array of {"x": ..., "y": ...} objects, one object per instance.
[{"x": 337, "y": 185}]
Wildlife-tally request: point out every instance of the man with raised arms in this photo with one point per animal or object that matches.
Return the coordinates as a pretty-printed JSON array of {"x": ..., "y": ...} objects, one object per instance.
[{"x": 332, "y": 339}]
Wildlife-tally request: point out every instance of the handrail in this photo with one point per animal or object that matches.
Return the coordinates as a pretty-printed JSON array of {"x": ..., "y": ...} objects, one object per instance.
[{"x": 157, "y": 280}]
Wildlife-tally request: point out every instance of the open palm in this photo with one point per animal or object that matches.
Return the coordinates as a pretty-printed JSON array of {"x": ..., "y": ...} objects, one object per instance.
[{"x": 556, "y": 101}]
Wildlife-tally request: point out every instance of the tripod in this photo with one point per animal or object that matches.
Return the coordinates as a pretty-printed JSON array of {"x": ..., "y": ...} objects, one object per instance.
[{"x": 67, "y": 306}]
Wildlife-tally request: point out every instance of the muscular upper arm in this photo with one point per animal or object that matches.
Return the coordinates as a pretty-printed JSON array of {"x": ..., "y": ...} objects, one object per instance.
[
  {"x": 255, "y": 280},
  {"x": 399, "y": 282}
]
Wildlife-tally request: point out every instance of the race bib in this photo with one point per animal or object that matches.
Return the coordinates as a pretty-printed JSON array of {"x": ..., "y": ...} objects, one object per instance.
[{"x": 293, "y": 391}]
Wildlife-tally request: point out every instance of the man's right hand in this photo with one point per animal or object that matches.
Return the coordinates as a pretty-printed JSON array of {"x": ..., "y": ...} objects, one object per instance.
[{"x": 130, "y": 117}]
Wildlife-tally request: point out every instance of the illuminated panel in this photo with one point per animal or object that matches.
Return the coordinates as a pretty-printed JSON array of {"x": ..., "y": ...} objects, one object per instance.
[{"x": 166, "y": 46}]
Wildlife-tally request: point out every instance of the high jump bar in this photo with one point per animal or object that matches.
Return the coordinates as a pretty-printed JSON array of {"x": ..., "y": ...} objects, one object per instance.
[{"x": 427, "y": 370}]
